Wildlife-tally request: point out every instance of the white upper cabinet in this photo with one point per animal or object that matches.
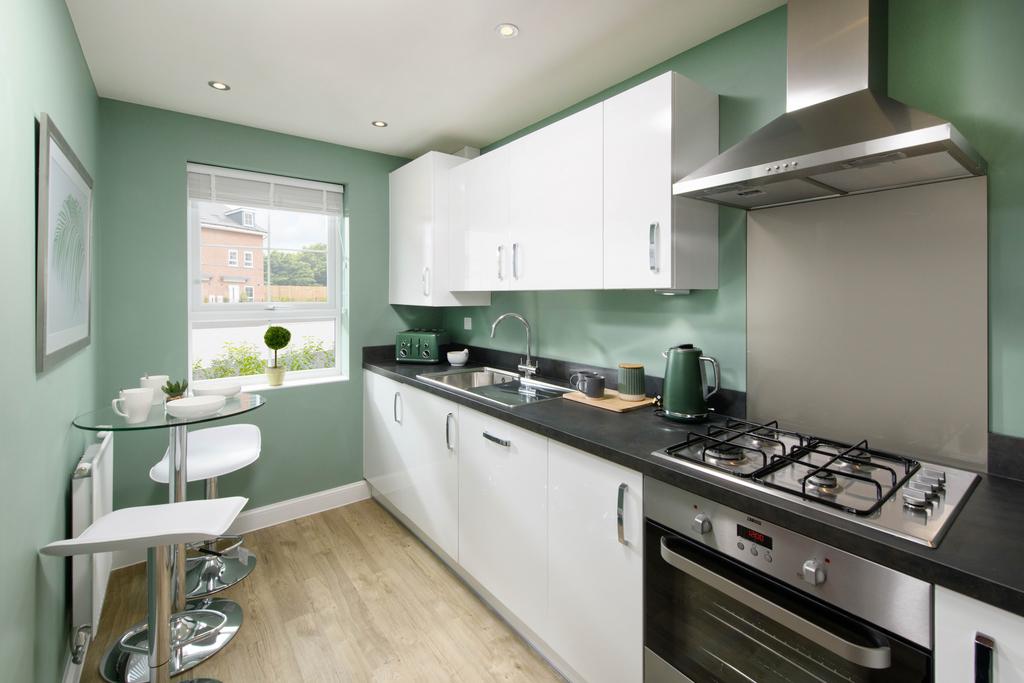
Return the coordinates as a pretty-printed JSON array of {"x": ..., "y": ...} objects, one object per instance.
[
  {"x": 419, "y": 231},
  {"x": 480, "y": 256},
  {"x": 555, "y": 212},
  {"x": 654, "y": 134}
]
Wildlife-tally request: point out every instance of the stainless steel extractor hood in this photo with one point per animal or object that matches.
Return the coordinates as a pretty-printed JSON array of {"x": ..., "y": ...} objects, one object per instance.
[{"x": 841, "y": 134}]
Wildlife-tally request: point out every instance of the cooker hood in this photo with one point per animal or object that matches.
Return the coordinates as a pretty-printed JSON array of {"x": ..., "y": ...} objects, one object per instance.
[{"x": 841, "y": 134}]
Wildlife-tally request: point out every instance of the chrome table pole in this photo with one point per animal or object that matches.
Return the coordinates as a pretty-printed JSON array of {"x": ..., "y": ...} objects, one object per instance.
[
  {"x": 177, "y": 479},
  {"x": 158, "y": 580}
]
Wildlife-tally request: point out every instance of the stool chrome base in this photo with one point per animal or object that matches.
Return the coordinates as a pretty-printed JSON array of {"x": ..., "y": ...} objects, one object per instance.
[
  {"x": 120, "y": 665},
  {"x": 209, "y": 574}
]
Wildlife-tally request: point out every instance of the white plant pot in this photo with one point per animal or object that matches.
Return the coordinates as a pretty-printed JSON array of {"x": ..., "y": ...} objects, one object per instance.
[{"x": 275, "y": 376}]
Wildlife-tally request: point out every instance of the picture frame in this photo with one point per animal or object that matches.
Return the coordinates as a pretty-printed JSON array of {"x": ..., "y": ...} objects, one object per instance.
[{"x": 63, "y": 249}]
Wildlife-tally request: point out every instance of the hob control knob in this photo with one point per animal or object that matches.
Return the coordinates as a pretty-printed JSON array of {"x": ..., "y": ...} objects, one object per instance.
[
  {"x": 814, "y": 572},
  {"x": 701, "y": 524}
]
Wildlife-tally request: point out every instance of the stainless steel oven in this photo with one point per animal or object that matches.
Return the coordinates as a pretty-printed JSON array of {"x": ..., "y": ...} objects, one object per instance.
[{"x": 729, "y": 597}]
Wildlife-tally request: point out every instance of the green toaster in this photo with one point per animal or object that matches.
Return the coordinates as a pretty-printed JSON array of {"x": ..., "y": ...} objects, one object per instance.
[{"x": 420, "y": 346}]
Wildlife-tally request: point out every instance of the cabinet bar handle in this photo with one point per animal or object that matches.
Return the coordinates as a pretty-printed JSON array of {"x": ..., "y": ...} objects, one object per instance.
[
  {"x": 984, "y": 647},
  {"x": 619, "y": 514},
  {"x": 426, "y": 281},
  {"x": 501, "y": 249},
  {"x": 447, "y": 431},
  {"x": 652, "y": 253},
  {"x": 501, "y": 442},
  {"x": 394, "y": 407},
  {"x": 515, "y": 260}
]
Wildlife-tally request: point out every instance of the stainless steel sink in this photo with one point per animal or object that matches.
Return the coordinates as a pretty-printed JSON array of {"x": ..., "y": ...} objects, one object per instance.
[{"x": 498, "y": 386}]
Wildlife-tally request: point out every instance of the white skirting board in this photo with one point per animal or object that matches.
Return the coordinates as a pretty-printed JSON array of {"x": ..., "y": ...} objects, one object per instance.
[{"x": 276, "y": 513}]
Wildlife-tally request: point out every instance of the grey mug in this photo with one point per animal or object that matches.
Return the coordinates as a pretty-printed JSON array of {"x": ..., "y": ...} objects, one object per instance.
[{"x": 589, "y": 383}]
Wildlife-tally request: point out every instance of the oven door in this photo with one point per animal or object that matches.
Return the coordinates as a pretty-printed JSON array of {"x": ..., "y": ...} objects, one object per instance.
[{"x": 710, "y": 618}]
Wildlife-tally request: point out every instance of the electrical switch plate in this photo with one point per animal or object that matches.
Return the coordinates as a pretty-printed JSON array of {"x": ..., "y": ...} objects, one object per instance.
[{"x": 467, "y": 323}]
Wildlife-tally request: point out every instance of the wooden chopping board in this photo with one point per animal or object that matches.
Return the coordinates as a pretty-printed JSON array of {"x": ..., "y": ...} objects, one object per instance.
[{"x": 611, "y": 401}]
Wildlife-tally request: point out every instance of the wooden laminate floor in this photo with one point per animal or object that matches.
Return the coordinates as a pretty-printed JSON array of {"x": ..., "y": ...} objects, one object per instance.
[{"x": 345, "y": 595}]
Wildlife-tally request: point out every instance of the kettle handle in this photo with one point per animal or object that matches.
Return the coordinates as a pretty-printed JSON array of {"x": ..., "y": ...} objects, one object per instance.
[{"x": 718, "y": 376}]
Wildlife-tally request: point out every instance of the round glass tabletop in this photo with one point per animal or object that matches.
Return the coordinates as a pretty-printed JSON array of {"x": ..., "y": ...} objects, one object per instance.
[{"x": 106, "y": 420}]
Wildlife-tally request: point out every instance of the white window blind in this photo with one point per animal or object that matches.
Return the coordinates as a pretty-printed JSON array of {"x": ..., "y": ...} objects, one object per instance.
[{"x": 254, "y": 189}]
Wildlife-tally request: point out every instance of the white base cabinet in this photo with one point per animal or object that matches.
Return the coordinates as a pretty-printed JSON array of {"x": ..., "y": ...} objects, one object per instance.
[
  {"x": 418, "y": 222},
  {"x": 534, "y": 522},
  {"x": 410, "y": 455},
  {"x": 503, "y": 513},
  {"x": 958, "y": 620},
  {"x": 595, "y": 581}
]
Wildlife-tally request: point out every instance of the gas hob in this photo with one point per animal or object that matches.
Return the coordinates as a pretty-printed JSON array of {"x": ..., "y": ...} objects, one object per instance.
[{"x": 907, "y": 498}]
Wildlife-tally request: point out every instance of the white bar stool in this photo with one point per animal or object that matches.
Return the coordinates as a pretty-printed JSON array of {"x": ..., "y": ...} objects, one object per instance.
[
  {"x": 157, "y": 528},
  {"x": 214, "y": 452}
]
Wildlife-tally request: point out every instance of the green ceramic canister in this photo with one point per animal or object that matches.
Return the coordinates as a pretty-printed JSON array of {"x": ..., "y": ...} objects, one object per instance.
[{"x": 631, "y": 382}]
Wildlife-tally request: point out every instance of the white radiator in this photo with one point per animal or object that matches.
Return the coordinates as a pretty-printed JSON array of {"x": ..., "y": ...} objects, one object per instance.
[{"x": 92, "y": 489}]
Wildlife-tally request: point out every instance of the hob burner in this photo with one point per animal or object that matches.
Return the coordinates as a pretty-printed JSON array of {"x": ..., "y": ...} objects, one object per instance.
[
  {"x": 824, "y": 481},
  {"x": 725, "y": 453}
]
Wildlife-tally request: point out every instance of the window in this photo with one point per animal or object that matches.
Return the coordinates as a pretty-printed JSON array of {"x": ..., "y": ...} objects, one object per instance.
[{"x": 292, "y": 237}]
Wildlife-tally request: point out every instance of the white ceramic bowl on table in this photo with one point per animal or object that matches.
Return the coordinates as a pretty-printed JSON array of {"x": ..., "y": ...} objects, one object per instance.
[
  {"x": 226, "y": 389},
  {"x": 195, "y": 406}
]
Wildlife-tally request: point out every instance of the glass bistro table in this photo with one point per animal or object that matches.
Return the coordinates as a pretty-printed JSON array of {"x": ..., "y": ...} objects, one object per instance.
[{"x": 199, "y": 628}]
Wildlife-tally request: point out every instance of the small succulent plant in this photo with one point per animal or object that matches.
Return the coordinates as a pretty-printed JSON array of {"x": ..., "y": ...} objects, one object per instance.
[{"x": 175, "y": 389}]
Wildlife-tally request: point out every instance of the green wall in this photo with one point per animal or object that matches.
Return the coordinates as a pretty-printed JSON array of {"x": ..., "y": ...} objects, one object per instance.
[
  {"x": 963, "y": 62},
  {"x": 41, "y": 70},
  {"x": 959, "y": 60},
  {"x": 312, "y": 435},
  {"x": 747, "y": 67}
]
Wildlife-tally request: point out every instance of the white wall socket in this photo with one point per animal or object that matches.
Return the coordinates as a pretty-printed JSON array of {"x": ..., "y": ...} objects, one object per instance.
[{"x": 467, "y": 323}]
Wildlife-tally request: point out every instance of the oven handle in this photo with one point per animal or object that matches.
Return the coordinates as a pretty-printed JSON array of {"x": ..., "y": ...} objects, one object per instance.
[{"x": 868, "y": 657}]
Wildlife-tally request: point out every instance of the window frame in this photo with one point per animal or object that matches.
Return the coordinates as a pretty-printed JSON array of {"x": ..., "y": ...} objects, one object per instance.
[
  {"x": 232, "y": 258},
  {"x": 203, "y": 315},
  {"x": 248, "y": 260}
]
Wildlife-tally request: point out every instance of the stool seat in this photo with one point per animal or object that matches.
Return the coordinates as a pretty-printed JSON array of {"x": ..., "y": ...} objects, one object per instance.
[
  {"x": 149, "y": 526},
  {"x": 215, "y": 451}
]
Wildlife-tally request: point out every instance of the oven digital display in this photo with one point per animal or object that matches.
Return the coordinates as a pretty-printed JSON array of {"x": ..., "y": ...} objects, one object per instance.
[{"x": 754, "y": 536}]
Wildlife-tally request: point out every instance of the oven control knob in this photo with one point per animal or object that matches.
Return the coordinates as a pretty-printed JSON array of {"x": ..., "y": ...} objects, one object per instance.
[
  {"x": 701, "y": 524},
  {"x": 814, "y": 572}
]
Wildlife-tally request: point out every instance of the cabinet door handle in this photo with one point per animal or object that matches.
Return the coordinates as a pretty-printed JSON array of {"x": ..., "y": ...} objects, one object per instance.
[
  {"x": 426, "y": 281},
  {"x": 515, "y": 260},
  {"x": 501, "y": 442},
  {"x": 652, "y": 253},
  {"x": 447, "y": 431},
  {"x": 394, "y": 407},
  {"x": 619, "y": 512},
  {"x": 984, "y": 649},
  {"x": 501, "y": 250}
]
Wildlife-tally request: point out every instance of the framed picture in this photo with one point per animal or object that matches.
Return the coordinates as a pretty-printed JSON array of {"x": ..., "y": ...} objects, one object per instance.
[{"x": 63, "y": 249}]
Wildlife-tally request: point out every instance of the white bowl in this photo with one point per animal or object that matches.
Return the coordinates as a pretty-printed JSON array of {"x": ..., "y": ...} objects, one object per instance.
[
  {"x": 226, "y": 389},
  {"x": 196, "y": 406},
  {"x": 457, "y": 358}
]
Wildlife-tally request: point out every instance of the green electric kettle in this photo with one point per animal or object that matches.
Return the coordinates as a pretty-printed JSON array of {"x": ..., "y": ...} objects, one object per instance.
[{"x": 685, "y": 394}]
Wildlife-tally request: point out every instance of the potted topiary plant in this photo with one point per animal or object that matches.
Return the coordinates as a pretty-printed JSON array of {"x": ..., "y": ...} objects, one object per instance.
[
  {"x": 175, "y": 390},
  {"x": 276, "y": 338}
]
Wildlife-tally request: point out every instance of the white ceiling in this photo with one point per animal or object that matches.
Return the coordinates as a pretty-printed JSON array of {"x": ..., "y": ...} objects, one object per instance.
[{"x": 435, "y": 70}]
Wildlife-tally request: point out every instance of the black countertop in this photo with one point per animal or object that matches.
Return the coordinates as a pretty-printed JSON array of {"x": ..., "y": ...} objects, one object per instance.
[{"x": 980, "y": 555}]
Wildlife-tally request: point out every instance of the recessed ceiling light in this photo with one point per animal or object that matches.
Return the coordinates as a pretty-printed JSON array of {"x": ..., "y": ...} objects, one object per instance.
[
  {"x": 507, "y": 30},
  {"x": 218, "y": 85},
  {"x": 379, "y": 124}
]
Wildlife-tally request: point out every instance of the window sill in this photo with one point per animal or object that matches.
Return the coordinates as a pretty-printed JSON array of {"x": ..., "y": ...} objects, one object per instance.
[{"x": 290, "y": 384}]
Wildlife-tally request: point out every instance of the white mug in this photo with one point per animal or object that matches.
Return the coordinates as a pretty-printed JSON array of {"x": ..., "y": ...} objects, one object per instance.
[
  {"x": 136, "y": 404},
  {"x": 156, "y": 383}
]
